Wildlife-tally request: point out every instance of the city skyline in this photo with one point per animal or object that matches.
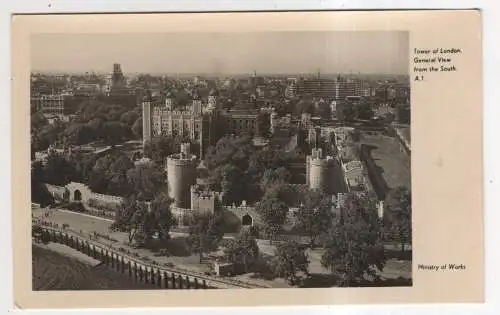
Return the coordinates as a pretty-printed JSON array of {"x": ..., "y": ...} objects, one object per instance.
[{"x": 224, "y": 53}]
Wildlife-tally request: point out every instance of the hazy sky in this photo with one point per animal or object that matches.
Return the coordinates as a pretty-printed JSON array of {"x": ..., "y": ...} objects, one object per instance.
[{"x": 269, "y": 52}]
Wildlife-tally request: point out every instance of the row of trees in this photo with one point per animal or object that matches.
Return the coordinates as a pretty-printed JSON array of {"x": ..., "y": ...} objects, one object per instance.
[
  {"x": 113, "y": 174},
  {"x": 144, "y": 220},
  {"x": 95, "y": 121},
  {"x": 353, "y": 239},
  {"x": 241, "y": 170}
]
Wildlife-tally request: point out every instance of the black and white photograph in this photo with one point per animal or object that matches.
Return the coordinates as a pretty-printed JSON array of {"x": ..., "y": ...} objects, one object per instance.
[{"x": 225, "y": 160}]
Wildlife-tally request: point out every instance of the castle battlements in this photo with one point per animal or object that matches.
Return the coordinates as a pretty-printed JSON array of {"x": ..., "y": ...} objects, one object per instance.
[{"x": 180, "y": 159}]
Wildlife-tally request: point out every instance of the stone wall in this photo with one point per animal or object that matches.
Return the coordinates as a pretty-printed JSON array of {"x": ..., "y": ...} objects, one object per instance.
[
  {"x": 79, "y": 192},
  {"x": 244, "y": 213},
  {"x": 377, "y": 180}
]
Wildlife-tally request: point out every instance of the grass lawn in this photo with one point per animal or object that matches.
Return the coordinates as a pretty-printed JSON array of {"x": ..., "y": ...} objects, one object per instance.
[
  {"x": 55, "y": 271},
  {"x": 394, "y": 165}
]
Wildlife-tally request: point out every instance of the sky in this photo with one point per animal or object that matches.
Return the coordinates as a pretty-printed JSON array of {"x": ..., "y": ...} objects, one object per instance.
[{"x": 382, "y": 52}]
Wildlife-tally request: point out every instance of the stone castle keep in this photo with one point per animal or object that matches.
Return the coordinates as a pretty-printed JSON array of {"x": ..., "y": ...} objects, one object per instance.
[{"x": 200, "y": 121}]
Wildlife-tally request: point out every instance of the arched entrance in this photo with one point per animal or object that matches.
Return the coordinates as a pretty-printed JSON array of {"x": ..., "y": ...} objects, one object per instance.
[
  {"x": 246, "y": 220},
  {"x": 77, "y": 195}
]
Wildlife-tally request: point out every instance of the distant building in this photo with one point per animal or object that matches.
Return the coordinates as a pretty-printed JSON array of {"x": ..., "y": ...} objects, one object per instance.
[
  {"x": 240, "y": 121},
  {"x": 344, "y": 89},
  {"x": 317, "y": 87},
  {"x": 86, "y": 89},
  {"x": 117, "y": 78},
  {"x": 291, "y": 89},
  {"x": 52, "y": 104},
  {"x": 328, "y": 89}
]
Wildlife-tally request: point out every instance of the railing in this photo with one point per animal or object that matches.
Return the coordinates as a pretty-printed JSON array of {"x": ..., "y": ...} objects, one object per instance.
[{"x": 209, "y": 281}]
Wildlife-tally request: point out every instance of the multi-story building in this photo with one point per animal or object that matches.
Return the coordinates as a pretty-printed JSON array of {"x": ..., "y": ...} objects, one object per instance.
[
  {"x": 51, "y": 104},
  {"x": 344, "y": 89},
  {"x": 291, "y": 89},
  {"x": 317, "y": 87},
  {"x": 240, "y": 121}
]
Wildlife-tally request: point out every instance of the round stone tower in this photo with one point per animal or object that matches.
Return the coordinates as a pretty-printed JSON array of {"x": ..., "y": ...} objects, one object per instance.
[
  {"x": 181, "y": 175},
  {"x": 320, "y": 171}
]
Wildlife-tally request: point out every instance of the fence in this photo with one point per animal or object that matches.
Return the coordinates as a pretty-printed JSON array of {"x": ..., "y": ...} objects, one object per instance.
[{"x": 164, "y": 277}]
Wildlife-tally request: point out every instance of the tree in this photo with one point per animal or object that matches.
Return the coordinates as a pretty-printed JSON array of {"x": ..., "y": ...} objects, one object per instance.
[
  {"x": 289, "y": 194},
  {"x": 39, "y": 192},
  {"x": 143, "y": 220},
  {"x": 137, "y": 128},
  {"x": 244, "y": 250},
  {"x": 57, "y": 170},
  {"x": 162, "y": 215},
  {"x": 230, "y": 150},
  {"x": 227, "y": 179},
  {"x": 398, "y": 220},
  {"x": 77, "y": 134},
  {"x": 364, "y": 111},
  {"x": 115, "y": 132},
  {"x": 129, "y": 217},
  {"x": 161, "y": 147},
  {"x": 353, "y": 246},
  {"x": 273, "y": 212},
  {"x": 291, "y": 259},
  {"x": 129, "y": 118},
  {"x": 403, "y": 114},
  {"x": 205, "y": 233},
  {"x": 264, "y": 159},
  {"x": 117, "y": 176},
  {"x": 275, "y": 177},
  {"x": 305, "y": 105},
  {"x": 346, "y": 112},
  {"x": 323, "y": 110},
  {"x": 315, "y": 216},
  {"x": 146, "y": 181}
]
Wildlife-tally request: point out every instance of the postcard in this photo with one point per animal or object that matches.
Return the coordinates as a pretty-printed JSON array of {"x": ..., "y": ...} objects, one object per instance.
[{"x": 247, "y": 159}]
